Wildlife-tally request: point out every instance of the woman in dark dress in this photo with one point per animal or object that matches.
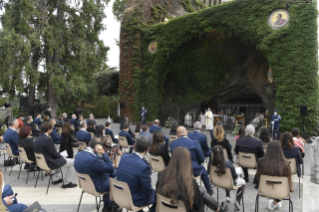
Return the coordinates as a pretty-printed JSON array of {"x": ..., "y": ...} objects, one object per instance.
[
  {"x": 27, "y": 143},
  {"x": 91, "y": 127},
  {"x": 67, "y": 140},
  {"x": 219, "y": 139},
  {"x": 176, "y": 182},
  {"x": 159, "y": 148}
]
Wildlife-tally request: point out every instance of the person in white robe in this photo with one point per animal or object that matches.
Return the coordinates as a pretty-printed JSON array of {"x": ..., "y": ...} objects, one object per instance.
[
  {"x": 209, "y": 122},
  {"x": 202, "y": 118},
  {"x": 188, "y": 120}
]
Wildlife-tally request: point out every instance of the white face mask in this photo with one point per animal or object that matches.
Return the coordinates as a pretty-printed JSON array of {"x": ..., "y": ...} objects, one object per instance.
[
  {"x": 275, "y": 113},
  {"x": 31, "y": 120},
  {"x": 22, "y": 119}
]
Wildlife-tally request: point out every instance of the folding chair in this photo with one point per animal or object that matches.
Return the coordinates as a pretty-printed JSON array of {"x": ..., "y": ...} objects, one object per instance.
[
  {"x": 163, "y": 204},
  {"x": 86, "y": 183},
  {"x": 36, "y": 126},
  {"x": 123, "y": 143},
  {"x": 4, "y": 155},
  {"x": 42, "y": 164},
  {"x": 172, "y": 138},
  {"x": 136, "y": 135},
  {"x": 72, "y": 127},
  {"x": 247, "y": 160},
  {"x": 92, "y": 135},
  {"x": 157, "y": 163},
  {"x": 293, "y": 168},
  {"x": 11, "y": 156},
  {"x": 82, "y": 145},
  {"x": 120, "y": 193},
  {"x": 274, "y": 188},
  {"x": 24, "y": 158},
  {"x": 224, "y": 181},
  {"x": 265, "y": 148},
  {"x": 5, "y": 127},
  {"x": 109, "y": 139},
  {"x": 59, "y": 130}
]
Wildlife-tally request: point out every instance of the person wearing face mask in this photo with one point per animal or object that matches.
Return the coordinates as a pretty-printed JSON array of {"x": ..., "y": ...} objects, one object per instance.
[
  {"x": 45, "y": 145},
  {"x": 37, "y": 120},
  {"x": 54, "y": 134},
  {"x": 48, "y": 111},
  {"x": 275, "y": 120},
  {"x": 29, "y": 122},
  {"x": 143, "y": 114},
  {"x": 20, "y": 120}
]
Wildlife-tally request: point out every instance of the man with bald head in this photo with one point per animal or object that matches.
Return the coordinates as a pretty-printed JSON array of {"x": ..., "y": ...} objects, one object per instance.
[
  {"x": 156, "y": 127},
  {"x": 196, "y": 152}
]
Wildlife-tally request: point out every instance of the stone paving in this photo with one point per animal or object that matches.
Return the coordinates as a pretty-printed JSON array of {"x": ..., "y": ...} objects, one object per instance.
[{"x": 66, "y": 200}]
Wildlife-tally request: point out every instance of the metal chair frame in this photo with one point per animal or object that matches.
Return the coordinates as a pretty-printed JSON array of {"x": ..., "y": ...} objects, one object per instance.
[{"x": 9, "y": 150}]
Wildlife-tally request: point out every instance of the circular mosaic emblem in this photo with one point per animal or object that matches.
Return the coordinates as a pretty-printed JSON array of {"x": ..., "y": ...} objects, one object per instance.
[
  {"x": 278, "y": 19},
  {"x": 152, "y": 47}
]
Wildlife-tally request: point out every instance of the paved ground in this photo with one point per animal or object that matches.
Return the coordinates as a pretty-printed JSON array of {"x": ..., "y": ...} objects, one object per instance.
[{"x": 66, "y": 200}]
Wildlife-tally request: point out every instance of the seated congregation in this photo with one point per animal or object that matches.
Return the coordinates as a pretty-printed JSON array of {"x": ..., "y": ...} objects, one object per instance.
[{"x": 182, "y": 161}]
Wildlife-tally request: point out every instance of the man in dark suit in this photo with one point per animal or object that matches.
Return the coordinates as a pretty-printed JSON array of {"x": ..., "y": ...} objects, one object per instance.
[
  {"x": 56, "y": 138},
  {"x": 99, "y": 168},
  {"x": 201, "y": 138},
  {"x": 127, "y": 135},
  {"x": 197, "y": 155},
  {"x": 45, "y": 145},
  {"x": 11, "y": 135},
  {"x": 157, "y": 127},
  {"x": 78, "y": 111},
  {"x": 82, "y": 134},
  {"x": 37, "y": 120},
  {"x": 6, "y": 105},
  {"x": 136, "y": 172},
  {"x": 109, "y": 132},
  {"x": 249, "y": 144},
  {"x": 48, "y": 111},
  {"x": 126, "y": 122},
  {"x": 29, "y": 122}
]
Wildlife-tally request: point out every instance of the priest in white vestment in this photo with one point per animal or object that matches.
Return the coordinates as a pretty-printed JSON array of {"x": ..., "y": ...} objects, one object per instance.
[
  {"x": 188, "y": 120},
  {"x": 209, "y": 122}
]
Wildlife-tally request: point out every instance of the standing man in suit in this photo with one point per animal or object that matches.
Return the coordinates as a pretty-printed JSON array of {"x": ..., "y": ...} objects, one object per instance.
[
  {"x": 249, "y": 144},
  {"x": 45, "y": 145},
  {"x": 275, "y": 120},
  {"x": 136, "y": 172},
  {"x": 11, "y": 136},
  {"x": 143, "y": 114},
  {"x": 54, "y": 134},
  {"x": 201, "y": 138},
  {"x": 29, "y": 122},
  {"x": 109, "y": 132},
  {"x": 157, "y": 127},
  {"x": 37, "y": 120},
  {"x": 99, "y": 168},
  {"x": 48, "y": 111},
  {"x": 197, "y": 155},
  {"x": 144, "y": 132},
  {"x": 126, "y": 122},
  {"x": 125, "y": 133},
  {"x": 91, "y": 117},
  {"x": 82, "y": 134}
]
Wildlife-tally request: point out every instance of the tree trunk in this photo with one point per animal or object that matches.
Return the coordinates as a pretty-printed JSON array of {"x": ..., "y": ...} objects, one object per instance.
[{"x": 31, "y": 94}]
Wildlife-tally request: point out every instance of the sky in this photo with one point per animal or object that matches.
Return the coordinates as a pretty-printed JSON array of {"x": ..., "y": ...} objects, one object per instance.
[{"x": 112, "y": 32}]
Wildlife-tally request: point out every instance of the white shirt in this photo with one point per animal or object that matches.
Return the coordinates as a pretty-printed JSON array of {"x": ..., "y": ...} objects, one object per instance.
[{"x": 141, "y": 156}]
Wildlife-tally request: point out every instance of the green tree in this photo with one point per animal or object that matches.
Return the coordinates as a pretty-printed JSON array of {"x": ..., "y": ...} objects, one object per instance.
[{"x": 118, "y": 8}]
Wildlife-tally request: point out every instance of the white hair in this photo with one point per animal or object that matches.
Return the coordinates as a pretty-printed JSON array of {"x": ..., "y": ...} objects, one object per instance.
[
  {"x": 91, "y": 114},
  {"x": 197, "y": 125},
  {"x": 250, "y": 129}
]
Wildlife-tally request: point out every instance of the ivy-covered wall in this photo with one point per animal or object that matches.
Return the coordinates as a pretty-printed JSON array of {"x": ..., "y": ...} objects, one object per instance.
[{"x": 291, "y": 51}]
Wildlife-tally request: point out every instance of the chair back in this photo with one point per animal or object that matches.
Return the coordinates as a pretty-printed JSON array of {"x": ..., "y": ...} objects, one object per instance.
[
  {"x": 5, "y": 127},
  {"x": 82, "y": 145},
  {"x": 87, "y": 185},
  {"x": 223, "y": 181},
  {"x": 265, "y": 148},
  {"x": 172, "y": 138},
  {"x": 41, "y": 162},
  {"x": 36, "y": 126},
  {"x": 123, "y": 142},
  {"x": 234, "y": 145},
  {"x": 136, "y": 135},
  {"x": 274, "y": 187},
  {"x": 18, "y": 129},
  {"x": 157, "y": 163},
  {"x": 9, "y": 151},
  {"x": 23, "y": 155},
  {"x": 163, "y": 204},
  {"x": 109, "y": 139},
  {"x": 293, "y": 165},
  {"x": 72, "y": 127},
  {"x": 59, "y": 130},
  {"x": 120, "y": 193},
  {"x": 247, "y": 160},
  {"x": 92, "y": 134}
]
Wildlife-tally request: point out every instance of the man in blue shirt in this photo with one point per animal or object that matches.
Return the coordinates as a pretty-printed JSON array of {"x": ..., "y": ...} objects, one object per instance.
[
  {"x": 201, "y": 138},
  {"x": 56, "y": 138},
  {"x": 275, "y": 120},
  {"x": 11, "y": 135},
  {"x": 82, "y": 134},
  {"x": 37, "y": 120},
  {"x": 144, "y": 132},
  {"x": 157, "y": 127},
  {"x": 143, "y": 114}
]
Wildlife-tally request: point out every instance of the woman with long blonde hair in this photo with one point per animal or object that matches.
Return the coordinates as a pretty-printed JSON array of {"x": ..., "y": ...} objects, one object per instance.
[
  {"x": 9, "y": 200},
  {"x": 219, "y": 139}
]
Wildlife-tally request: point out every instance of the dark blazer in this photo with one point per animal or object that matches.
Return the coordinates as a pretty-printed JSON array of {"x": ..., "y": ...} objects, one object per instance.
[
  {"x": 137, "y": 174},
  {"x": 28, "y": 145},
  {"x": 38, "y": 122},
  {"x": 35, "y": 132},
  {"x": 56, "y": 138},
  {"x": 194, "y": 148},
  {"x": 249, "y": 144},
  {"x": 66, "y": 144},
  {"x": 45, "y": 145},
  {"x": 129, "y": 138},
  {"x": 110, "y": 133},
  {"x": 129, "y": 130},
  {"x": 46, "y": 112},
  {"x": 202, "y": 139},
  {"x": 161, "y": 150},
  {"x": 11, "y": 137},
  {"x": 294, "y": 153},
  {"x": 99, "y": 169},
  {"x": 82, "y": 135},
  {"x": 225, "y": 145}
]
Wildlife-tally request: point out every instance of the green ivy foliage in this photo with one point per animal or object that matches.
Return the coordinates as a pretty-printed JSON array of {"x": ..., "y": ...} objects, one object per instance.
[{"x": 291, "y": 52}]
